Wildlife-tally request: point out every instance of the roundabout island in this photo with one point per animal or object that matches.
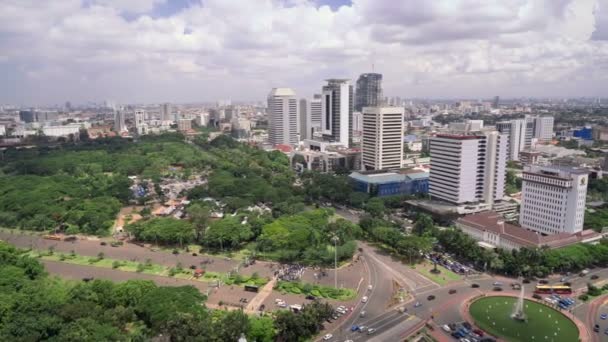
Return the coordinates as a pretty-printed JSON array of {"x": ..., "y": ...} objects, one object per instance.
[{"x": 518, "y": 319}]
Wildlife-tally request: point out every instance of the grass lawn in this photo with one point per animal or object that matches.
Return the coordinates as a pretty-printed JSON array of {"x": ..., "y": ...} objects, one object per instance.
[
  {"x": 318, "y": 291},
  {"x": 493, "y": 314},
  {"x": 446, "y": 276}
]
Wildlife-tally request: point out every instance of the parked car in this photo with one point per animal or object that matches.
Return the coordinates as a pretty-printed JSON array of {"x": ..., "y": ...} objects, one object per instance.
[
  {"x": 431, "y": 297},
  {"x": 371, "y": 331},
  {"x": 446, "y": 328},
  {"x": 452, "y": 291},
  {"x": 327, "y": 337},
  {"x": 417, "y": 304},
  {"x": 594, "y": 277},
  {"x": 497, "y": 283},
  {"x": 496, "y": 288},
  {"x": 596, "y": 328},
  {"x": 474, "y": 285},
  {"x": 604, "y": 316},
  {"x": 364, "y": 299},
  {"x": 537, "y": 296},
  {"x": 354, "y": 328}
]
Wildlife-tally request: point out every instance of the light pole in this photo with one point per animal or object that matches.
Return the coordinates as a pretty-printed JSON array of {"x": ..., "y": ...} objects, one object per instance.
[{"x": 335, "y": 238}]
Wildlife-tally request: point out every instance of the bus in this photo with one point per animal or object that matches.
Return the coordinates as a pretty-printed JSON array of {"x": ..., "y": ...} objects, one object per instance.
[{"x": 549, "y": 289}]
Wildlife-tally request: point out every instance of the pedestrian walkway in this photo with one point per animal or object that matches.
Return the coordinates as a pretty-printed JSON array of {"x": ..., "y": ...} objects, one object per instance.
[{"x": 264, "y": 292}]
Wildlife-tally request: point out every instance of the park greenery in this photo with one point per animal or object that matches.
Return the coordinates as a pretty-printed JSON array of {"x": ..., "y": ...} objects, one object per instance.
[
  {"x": 36, "y": 307},
  {"x": 318, "y": 291},
  {"x": 80, "y": 187}
]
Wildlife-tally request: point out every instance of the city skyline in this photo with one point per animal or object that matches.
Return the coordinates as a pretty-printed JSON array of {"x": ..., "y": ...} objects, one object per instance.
[{"x": 188, "y": 51}]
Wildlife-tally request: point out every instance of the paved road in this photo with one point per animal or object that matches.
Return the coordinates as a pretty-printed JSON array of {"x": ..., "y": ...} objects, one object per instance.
[
  {"x": 592, "y": 312},
  {"x": 134, "y": 253}
]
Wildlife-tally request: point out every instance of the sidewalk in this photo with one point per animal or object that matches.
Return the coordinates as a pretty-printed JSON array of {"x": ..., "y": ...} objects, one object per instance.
[{"x": 255, "y": 303}]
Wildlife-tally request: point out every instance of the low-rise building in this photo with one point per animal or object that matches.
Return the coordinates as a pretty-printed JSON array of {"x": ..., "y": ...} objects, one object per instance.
[
  {"x": 491, "y": 231},
  {"x": 393, "y": 183}
]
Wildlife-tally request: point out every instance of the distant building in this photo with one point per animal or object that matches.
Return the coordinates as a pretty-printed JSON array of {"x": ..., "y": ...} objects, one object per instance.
[
  {"x": 119, "y": 121},
  {"x": 369, "y": 91},
  {"x": 140, "y": 121},
  {"x": 184, "y": 125},
  {"x": 585, "y": 133},
  {"x": 600, "y": 133},
  {"x": 491, "y": 231},
  {"x": 2, "y": 130},
  {"x": 543, "y": 128},
  {"x": 468, "y": 168},
  {"x": 516, "y": 131},
  {"x": 496, "y": 102},
  {"x": 165, "y": 112},
  {"x": 62, "y": 130},
  {"x": 337, "y": 111},
  {"x": 382, "y": 140},
  {"x": 553, "y": 199},
  {"x": 391, "y": 183},
  {"x": 530, "y": 157},
  {"x": 284, "y": 118}
]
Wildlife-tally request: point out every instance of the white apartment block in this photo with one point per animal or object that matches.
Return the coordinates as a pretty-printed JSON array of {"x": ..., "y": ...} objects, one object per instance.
[
  {"x": 119, "y": 121},
  {"x": 382, "y": 140},
  {"x": 468, "y": 167},
  {"x": 140, "y": 121},
  {"x": 165, "y": 112},
  {"x": 184, "y": 125},
  {"x": 543, "y": 128},
  {"x": 553, "y": 199},
  {"x": 284, "y": 118}
]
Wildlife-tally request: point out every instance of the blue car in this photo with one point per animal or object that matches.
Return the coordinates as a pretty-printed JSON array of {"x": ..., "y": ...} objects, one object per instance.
[
  {"x": 354, "y": 328},
  {"x": 604, "y": 316}
]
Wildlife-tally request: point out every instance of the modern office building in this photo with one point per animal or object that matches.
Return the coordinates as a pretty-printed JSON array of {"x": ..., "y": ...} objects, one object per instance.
[
  {"x": 369, "y": 91},
  {"x": 553, "y": 199},
  {"x": 165, "y": 112},
  {"x": 283, "y": 117},
  {"x": 382, "y": 139},
  {"x": 119, "y": 121},
  {"x": 391, "y": 183},
  {"x": 140, "y": 121},
  {"x": 496, "y": 102},
  {"x": 27, "y": 116},
  {"x": 468, "y": 168},
  {"x": 337, "y": 111},
  {"x": 516, "y": 131},
  {"x": 543, "y": 128}
]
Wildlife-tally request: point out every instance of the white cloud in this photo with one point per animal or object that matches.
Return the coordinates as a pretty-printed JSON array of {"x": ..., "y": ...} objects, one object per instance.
[{"x": 239, "y": 49}]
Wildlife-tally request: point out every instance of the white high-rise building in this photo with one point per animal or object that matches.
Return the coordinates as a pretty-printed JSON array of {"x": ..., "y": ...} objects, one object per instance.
[
  {"x": 516, "y": 130},
  {"x": 468, "y": 167},
  {"x": 553, "y": 199},
  {"x": 382, "y": 140},
  {"x": 357, "y": 122},
  {"x": 316, "y": 113},
  {"x": 337, "y": 111},
  {"x": 165, "y": 112},
  {"x": 119, "y": 121},
  {"x": 140, "y": 122},
  {"x": 543, "y": 128},
  {"x": 284, "y": 118}
]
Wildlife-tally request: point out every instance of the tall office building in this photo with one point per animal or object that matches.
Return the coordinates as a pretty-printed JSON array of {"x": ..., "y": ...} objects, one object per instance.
[
  {"x": 468, "y": 167},
  {"x": 369, "y": 91},
  {"x": 165, "y": 112},
  {"x": 119, "y": 121},
  {"x": 543, "y": 128},
  {"x": 382, "y": 140},
  {"x": 337, "y": 111},
  {"x": 284, "y": 118},
  {"x": 516, "y": 131},
  {"x": 27, "y": 116},
  {"x": 553, "y": 199},
  {"x": 496, "y": 102},
  {"x": 310, "y": 116},
  {"x": 140, "y": 121}
]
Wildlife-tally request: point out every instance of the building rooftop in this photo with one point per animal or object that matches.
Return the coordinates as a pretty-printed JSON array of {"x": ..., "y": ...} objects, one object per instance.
[
  {"x": 494, "y": 222},
  {"x": 282, "y": 92},
  {"x": 383, "y": 177}
]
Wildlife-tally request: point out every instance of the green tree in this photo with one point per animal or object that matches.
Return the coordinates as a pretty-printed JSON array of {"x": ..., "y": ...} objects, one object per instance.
[
  {"x": 375, "y": 207},
  {"x": 199, "y": 217}
]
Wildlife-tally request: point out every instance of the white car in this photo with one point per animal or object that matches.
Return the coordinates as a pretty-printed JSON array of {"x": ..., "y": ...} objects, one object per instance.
[
  {"x": 370, "y": 287},
  {"x": 327, "y": 337},
  {"x": 364, "y": 299},
  {"x": 446, "y": 328}
]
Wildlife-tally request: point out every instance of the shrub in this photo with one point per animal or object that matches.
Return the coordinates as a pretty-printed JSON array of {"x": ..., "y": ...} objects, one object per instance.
[
  {"x": 583, "y": 297},
  {"x": 140, "y": 268}
]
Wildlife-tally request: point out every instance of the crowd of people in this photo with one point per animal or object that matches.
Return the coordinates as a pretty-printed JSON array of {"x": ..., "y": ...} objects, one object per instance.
[{"x": 290, "y": 272}]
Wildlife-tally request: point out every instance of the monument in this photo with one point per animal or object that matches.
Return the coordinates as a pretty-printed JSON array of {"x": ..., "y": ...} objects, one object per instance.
[{"x": 518, "y": 308}]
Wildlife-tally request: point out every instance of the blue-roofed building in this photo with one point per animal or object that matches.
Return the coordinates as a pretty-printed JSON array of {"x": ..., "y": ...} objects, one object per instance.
[
  {"x": 391, "y": 183},
  {"x": 585, "y": 133}
]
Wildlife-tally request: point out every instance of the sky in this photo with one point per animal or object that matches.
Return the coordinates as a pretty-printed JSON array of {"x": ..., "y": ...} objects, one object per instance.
[{"x": 151, "y": 51}]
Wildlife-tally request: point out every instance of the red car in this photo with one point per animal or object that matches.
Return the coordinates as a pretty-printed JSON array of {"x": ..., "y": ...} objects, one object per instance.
[{"x": 478, "y": 332}]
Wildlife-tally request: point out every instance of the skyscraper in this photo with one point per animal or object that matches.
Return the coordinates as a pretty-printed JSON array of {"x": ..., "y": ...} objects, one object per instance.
[
  {"x": 543, "y": 128},
  {"x": 468, "y": 167},
  {"x": 516, "y": 131},
  {"x": 337, "y": 110},
  {"x": 553, "y": 199},
  {"x": 165, "y": 112},
  {"x": 140, "y": 123},
  {"x": 382, "y": 141},
  {"x": 369, "y": 91},
  {"x": 119, "y": 121},
  {"x": 283, "y": 114},
  {"x": 310, "y": 116},
  {"x": 496, "y": 102}
]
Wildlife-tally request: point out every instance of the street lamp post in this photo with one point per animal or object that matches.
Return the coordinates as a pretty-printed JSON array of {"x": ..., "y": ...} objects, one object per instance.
[{"x": 335, "y": 238}]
